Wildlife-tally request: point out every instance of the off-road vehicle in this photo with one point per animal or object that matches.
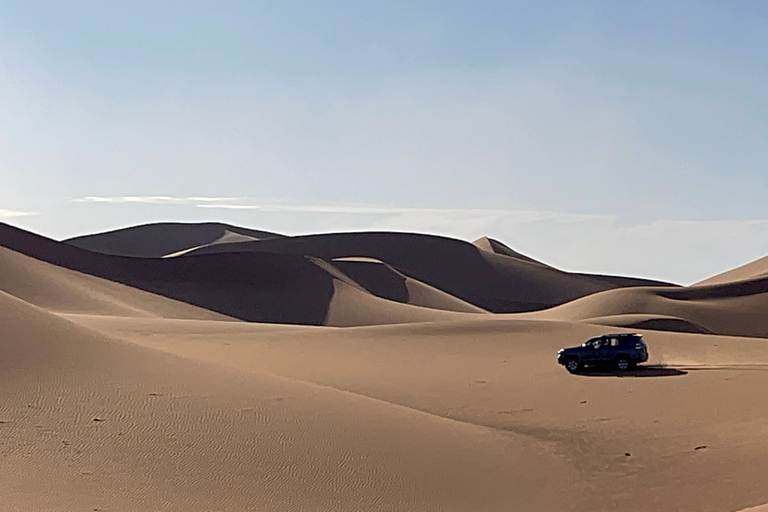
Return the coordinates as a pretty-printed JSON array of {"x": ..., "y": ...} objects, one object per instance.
[{"x": 622, "y": 351}]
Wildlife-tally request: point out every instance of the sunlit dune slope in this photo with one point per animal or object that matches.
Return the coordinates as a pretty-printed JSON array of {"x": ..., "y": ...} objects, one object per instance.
[
  {"x": 737, "y": 308},
  {"x": 90, "y": 423},
  {"x": 490, "y": 281},
  {"x": 685, "y": 433},
  {"x": 752, "y": 270},
  {"x": 160, "y": 239}
]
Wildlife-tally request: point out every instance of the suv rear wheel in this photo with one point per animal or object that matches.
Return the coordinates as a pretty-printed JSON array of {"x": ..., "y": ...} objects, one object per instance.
[{"x": 623, "y": 363}]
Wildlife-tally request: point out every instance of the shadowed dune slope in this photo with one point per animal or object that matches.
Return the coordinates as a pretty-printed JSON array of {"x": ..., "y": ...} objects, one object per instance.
[
  {"x": 493, "y": 282},
  {"x": 752, "y": 270},
  {"x": 160, "y": 239},
  {"x": 737, "y": 308}
]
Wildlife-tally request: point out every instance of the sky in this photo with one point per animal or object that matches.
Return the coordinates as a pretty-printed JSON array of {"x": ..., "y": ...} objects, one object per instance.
[{"x": 597, "y": 136}]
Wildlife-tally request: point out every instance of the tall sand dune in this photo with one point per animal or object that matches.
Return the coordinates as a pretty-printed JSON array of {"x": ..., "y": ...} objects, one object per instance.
[
  {"x": 487, "y": 280},
  {"x": 257, "y": 287},
  {"x": 163, "y": 238}
]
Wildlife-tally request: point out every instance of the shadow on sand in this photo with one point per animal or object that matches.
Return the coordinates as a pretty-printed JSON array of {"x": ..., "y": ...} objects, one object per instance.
[{"x": 638, "y": 371}]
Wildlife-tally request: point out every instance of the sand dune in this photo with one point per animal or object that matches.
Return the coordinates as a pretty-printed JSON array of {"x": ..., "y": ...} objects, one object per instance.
[
  {"x": 116, "y": 397},
  {"x": 62, "y": 290},
  {"x": 736, "y": 308},
  {"x": 248, "y": 286},
  {"x": 490, "y": 281},
  {"x": 163, "y": 238},
  {"x": 259, "y": 287}
]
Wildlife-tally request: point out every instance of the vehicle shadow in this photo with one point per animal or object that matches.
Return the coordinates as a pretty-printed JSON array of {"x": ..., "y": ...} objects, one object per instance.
[{"x": 638, "y": 371}]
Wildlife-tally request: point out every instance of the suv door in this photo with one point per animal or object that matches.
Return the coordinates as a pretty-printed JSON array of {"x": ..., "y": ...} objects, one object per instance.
[
  {"x": 609, "y": 349},
  {"x": 594, "y": 350}
]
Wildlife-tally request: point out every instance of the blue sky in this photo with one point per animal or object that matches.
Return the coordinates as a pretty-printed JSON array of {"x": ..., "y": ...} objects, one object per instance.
[{"x": 561, "y": 128}]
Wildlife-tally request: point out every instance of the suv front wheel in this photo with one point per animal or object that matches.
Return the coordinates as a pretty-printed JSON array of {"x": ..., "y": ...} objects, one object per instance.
[{"x": 572, "y": 365}]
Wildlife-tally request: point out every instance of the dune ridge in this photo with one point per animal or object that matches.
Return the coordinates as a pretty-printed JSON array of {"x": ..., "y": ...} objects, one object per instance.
[
  {"x": 160, "y": 239},
  {"x": 494, "y": 246},
  {"x": 494, "y": 282}
]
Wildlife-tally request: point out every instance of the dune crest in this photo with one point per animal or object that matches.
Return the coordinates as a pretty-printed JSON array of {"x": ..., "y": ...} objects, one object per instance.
[
  {"x": 164, "y": 238},
  {"x": 490, "y": 281},
  {"x": 494, "y": 246}
]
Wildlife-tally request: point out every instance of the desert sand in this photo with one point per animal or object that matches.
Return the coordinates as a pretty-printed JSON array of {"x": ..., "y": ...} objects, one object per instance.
[{"x": 209, "y": 367}]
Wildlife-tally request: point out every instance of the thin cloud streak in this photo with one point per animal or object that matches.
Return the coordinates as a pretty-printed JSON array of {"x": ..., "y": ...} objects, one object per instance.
[
  {"x": 272, "y": 205},
  {"x": 6, "y": 214},
  {"x": 153, "y": 199},
  {"x": 357, "y": 209}
]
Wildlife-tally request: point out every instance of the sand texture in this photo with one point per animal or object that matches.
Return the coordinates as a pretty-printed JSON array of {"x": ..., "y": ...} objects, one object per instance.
[{"x": 342, "y": 373}]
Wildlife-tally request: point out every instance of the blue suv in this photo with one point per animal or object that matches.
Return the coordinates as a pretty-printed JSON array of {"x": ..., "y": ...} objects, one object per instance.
[{"x": 622, "y": 351}]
